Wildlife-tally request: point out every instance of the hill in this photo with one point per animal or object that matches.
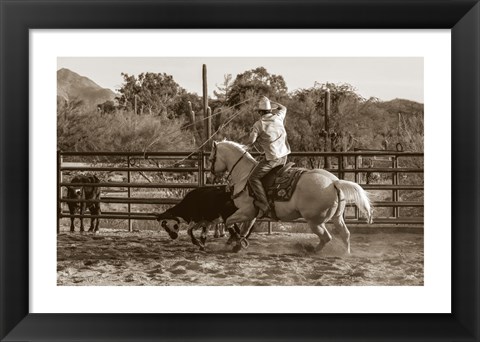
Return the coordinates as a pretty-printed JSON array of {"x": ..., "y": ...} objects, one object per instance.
[
  {"x": 402, "y": 106},
  {"x": 72, "y": 86}
]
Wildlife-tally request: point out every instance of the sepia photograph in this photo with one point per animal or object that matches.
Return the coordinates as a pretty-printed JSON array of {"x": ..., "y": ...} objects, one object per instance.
[{"x": 240, "y": 171}]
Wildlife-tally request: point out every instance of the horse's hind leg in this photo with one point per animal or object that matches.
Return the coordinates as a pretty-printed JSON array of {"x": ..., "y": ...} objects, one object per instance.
[
  {"x": 321, "y": 231},
  {"x": 234, "y": 233},
  {"x": 342, "y": 229}
]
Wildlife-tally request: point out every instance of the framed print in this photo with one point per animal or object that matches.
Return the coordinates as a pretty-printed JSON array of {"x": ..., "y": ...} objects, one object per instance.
[{"x": 55, "y": 284}]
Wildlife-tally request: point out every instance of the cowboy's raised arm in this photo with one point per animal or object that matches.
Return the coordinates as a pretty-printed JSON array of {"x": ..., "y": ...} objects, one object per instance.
[
  {"x": 251, "y": 137},
  {"x": 281, "y": 110}
]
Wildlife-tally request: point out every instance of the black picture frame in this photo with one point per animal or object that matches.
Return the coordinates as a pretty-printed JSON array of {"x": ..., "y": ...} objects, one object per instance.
[{"x": 17, "y": 17}]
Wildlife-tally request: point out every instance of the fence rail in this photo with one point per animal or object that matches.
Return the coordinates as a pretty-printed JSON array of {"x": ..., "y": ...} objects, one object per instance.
[{"x": 129, "y": 160}]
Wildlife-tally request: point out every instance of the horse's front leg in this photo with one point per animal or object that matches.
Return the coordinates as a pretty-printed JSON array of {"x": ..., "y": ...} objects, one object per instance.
[
  {"x": 238, "y": 217},
  {"x": 234, "y": 233}
]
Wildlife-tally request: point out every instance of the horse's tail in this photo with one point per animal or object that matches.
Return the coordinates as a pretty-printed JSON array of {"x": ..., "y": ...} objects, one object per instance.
[{"x": 354, "y": 193}]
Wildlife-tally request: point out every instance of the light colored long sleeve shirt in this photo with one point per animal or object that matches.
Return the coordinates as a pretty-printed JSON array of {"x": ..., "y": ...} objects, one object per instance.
[{"x": 269, "y": 131}]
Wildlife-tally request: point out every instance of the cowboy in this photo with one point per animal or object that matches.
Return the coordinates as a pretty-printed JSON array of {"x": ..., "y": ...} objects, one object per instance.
[{"x": 269, "y": 132}]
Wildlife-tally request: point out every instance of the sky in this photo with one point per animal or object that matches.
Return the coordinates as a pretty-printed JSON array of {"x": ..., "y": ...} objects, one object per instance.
[{"x": 386, "y": 78}]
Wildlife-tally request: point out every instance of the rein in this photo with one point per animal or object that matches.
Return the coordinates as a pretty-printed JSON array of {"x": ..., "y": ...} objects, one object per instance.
[{"x": 230, "y": 172}]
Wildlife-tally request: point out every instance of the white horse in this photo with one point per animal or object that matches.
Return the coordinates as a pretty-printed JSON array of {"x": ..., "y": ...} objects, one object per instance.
[{"x": 319, "y": 196}]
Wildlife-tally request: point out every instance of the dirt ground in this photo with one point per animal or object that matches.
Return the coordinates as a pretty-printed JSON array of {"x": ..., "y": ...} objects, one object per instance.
[{"x": 150, "y": 258}]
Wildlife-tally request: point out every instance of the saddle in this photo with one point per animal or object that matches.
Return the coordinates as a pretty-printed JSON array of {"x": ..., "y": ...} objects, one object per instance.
[{"x": 280, "y": 183}]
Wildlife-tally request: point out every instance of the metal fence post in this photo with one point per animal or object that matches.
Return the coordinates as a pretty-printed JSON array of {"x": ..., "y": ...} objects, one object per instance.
[
  {"x": 395, "y": 182},
  {"x": 59, "y": 189},
  {"x": 340, "y": 167},
  {"x": 357, "y": 176},
  {"x": 130, "y": 228},
  {"x": 200, "y": 168}
]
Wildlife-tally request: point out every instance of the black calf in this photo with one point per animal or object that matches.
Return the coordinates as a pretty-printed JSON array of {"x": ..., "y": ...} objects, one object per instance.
[{"x": 201, "y": 207}]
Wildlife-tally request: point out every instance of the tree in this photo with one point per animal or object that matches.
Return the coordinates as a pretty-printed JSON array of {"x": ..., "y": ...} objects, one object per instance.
[
  {"x": 256, "y": 82},
  {"x": 306, "y": 119},
  {"x": 156, "y": 93},
  {"x": 107, "y": 107},
  {"x": 223, "y": 90},
  {"x": 120, "y": 131}
]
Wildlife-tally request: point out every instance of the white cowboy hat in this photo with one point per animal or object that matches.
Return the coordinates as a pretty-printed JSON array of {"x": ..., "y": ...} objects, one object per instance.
[{"x": 264, "y": 104}]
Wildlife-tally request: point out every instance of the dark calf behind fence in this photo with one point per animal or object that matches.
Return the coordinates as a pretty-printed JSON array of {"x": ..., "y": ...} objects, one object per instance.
[{"x": 81, "y": 197}]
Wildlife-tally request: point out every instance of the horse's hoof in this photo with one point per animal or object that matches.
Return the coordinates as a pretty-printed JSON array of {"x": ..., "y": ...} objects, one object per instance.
[
  {"x": 318, "y": 248},
  {"x": 244, "y": 242}
]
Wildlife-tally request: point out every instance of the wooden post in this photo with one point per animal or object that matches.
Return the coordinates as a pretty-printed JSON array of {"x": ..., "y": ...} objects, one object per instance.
[
  {"x": 327, "y": 127},
  {"x": 205, "y": 93},
  {"x": 191, "y": 114},
  {"x": 128, "y": 195}
]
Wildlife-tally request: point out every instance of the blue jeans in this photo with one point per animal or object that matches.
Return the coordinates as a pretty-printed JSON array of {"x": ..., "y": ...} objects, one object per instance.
[{"x": 263, "y": 167}]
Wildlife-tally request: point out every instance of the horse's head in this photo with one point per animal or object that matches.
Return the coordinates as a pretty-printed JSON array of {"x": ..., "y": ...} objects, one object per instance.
[
  {"x": 171, "y": 229},
  {"x": 217, "y": 162}
]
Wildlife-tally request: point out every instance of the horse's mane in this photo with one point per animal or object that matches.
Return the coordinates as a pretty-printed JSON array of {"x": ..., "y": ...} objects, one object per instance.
[
  {"x": 238, "y": 146},
  {"x": 235, "y": 144}
]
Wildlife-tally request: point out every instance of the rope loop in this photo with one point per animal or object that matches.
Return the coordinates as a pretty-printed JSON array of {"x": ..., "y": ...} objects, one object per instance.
[{"x": 194, "y": 123}]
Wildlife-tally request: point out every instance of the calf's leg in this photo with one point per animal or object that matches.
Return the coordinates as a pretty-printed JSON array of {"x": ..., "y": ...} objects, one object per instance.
[
  {"x": 71, "y": 209},
  {"x": 190, "y": 230},
  {"x": 82, "y": 210},
  {"x": 94, "y": 210}
]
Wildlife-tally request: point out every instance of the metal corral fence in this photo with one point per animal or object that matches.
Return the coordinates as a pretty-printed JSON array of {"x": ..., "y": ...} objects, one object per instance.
[{"x": 399, "y": 173}]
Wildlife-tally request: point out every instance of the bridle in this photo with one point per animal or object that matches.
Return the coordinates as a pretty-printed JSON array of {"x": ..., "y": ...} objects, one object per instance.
[{"x": 214, "y": 159}]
